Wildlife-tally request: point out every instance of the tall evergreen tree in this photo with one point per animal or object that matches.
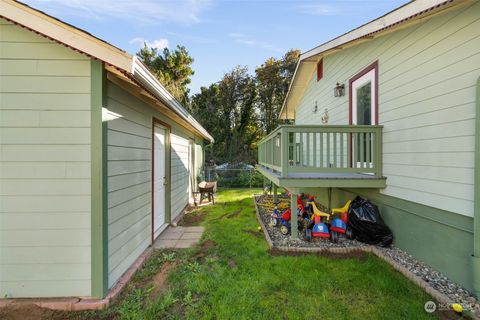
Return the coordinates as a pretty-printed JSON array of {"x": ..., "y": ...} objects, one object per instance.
[
  {"x": 172, "y": 68},
  {"x": 273, "y": 78}
]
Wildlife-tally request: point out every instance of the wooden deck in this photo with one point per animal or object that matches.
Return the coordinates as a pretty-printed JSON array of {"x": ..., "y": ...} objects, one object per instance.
[
  {"x": 323, "y": 179},
  {"x": 323, "y": 156}
]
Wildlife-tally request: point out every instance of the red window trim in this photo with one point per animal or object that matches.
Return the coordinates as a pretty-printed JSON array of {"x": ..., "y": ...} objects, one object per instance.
[
  {"x": 373, "y": 66},
  {"x": 320, "y": 70}
]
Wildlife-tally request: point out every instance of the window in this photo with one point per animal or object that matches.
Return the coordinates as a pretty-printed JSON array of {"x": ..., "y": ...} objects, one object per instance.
[{"x": 320, "y": 70}]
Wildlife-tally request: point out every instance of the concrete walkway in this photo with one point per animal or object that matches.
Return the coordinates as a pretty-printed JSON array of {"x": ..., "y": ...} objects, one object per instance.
[{"x": 179, "y": 237}]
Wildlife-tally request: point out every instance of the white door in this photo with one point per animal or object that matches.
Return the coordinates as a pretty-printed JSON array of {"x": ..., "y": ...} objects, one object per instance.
[
  {"x": 364, "y": 113},
  {"x": 159, "y": 179}
]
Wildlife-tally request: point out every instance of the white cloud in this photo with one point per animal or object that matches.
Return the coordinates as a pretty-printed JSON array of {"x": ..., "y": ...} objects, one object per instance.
[
  {"x": 146, "y": 11},
  {"x": 157, "y": 44},
  {"x": 244, "y": 39}
]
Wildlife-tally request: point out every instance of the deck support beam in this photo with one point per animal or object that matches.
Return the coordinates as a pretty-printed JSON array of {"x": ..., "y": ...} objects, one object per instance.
[
  {"x": 293, "y": 207},
  {"x": 274, "y": 190}
]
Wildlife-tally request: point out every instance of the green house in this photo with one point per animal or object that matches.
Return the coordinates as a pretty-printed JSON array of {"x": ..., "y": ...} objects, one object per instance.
[
  {"x": 391, "y": 111},
  {"x": 96, "y": 158}
]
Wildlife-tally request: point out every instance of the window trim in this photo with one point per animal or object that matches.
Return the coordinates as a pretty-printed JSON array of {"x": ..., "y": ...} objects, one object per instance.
[{"x": 373, "y": 66}]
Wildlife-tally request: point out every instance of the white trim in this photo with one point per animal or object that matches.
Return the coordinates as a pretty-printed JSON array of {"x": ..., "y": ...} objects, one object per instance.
[
  {"x": 84, "y": 42},
  {"x": 145, "y": 77},
  {"x": 360, "y": 82},
  {"x": 392, "y": 20},
  {"x": 368, "y": 77},
  {"x": 68, "y": 35}
]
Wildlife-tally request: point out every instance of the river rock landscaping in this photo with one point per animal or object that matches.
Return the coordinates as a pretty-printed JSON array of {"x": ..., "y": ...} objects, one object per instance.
[{"x": 392, "y": 254}]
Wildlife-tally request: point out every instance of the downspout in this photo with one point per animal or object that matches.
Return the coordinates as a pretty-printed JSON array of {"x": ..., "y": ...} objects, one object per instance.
[{"x": 476, "y": 217}]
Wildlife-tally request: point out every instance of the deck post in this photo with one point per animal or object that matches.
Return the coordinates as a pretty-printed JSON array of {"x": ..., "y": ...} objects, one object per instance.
[
  {"x": 293, "y": 208},
  {"x": 275, "y": 197},
  {"x": 284, "y": 143},
  {"x": 379, "y": 152}
]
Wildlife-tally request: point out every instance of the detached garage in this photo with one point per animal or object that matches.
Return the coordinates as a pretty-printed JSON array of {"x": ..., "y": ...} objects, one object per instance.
[{"x": 96, "y": 158}]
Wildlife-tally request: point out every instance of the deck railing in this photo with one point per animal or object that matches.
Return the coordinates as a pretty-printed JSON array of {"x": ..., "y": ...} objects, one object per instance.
[{"x": 322, "y": 149}]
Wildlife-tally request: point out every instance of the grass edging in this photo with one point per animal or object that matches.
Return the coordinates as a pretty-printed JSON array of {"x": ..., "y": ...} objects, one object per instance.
[{"x": 437, "y": 295}]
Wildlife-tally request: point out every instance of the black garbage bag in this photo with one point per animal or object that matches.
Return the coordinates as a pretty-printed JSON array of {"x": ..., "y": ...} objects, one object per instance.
[{"x": 367, "y": 224}]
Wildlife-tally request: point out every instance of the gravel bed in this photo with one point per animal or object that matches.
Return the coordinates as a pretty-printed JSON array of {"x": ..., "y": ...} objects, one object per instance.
[
  {"x": 435, "y": 279},
  {"x": 280, "y": 240},
  {"x": 438, "y": 281}
]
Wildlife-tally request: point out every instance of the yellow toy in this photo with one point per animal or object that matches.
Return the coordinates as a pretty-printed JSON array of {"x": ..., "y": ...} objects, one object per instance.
[
  {"x": 326, "y": 229},
  {"x": 343, "y": 209},
  {"x": 317, "y": 212}
]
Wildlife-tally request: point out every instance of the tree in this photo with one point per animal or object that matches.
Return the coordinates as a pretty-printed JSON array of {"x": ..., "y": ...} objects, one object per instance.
[
  {"x": 172, "y": 69},
  {"x": 273, "y": 79},
  {"x": 204, "y": 107},
  {"x": 227, "y": 110},
  {"x": 269, "y": 87}
]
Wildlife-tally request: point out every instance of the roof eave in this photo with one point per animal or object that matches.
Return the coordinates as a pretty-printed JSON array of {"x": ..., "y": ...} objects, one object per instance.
[
  {"x": 411, "y": 11},
  {"x": 63, "y": 33},
  {"x": 141, "y": 73}
]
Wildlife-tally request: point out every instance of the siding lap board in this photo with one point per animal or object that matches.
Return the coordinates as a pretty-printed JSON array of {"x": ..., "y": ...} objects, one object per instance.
[
  {"x": 129, "y": 141},
  {"x": 427, "y": 83},
  {"x": 44, "y": 167}
]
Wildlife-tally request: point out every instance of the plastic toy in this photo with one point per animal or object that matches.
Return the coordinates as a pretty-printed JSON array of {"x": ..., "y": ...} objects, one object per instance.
[
  {"x": 339, "y": 225},
  {"x": 275, "y": 216},
  {"x": 283, "y": 220},
  {"x": 317, "y": 228}
]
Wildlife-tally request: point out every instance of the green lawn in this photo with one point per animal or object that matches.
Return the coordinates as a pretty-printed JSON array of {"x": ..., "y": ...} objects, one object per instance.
[{"x": 234, "y": 277}]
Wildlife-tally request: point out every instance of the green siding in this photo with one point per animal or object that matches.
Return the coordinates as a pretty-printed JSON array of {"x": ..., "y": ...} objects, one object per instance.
[
  {"x": 427, "y": 78},
  {"x": 99, "y": 184},
  {"x": 129, "y": 122},
  {"x": 442, "y": 239},
  {"x": 179, "y": 186},
  {"x": 44, "y": 167}
]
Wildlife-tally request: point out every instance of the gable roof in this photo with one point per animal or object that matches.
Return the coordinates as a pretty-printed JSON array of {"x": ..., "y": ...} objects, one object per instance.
[
  {"x": 399, "y": 18},
  {"x": 85, "y": 43}
]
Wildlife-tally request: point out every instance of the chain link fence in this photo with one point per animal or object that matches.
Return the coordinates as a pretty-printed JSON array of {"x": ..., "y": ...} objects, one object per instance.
[{"x": 234, "y": 178}]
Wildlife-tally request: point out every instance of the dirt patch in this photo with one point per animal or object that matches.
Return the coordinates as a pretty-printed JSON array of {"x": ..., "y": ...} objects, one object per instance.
[
  {"x": 232, "y": 264},
  {"x": 23, "y": 312},
  {"x": 207, "y": 245},
  {"x": 254, "y": 233},
  {"x": 354, "y": 254},
  {"x": 192, "y": 218},
  {"x": 159, "y": 280},
  {"x": 204, "y": 247}
]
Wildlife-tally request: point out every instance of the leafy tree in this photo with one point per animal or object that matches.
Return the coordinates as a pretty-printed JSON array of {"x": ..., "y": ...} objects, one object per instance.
[
  {"x": 273, "y": 78},
  {"x": 270, "y": 89},
  {"x": 172, "y": 69},
  {"x": 227, "y": 109}
]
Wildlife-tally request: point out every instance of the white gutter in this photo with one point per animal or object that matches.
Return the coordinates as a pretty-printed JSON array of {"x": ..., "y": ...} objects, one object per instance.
[
  {"x": 394, "y": 17},
  {"x": 146, "y": 78}
]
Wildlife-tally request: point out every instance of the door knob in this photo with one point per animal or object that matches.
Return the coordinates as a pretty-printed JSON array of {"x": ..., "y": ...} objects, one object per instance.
[{"x": 164, "y": 181}]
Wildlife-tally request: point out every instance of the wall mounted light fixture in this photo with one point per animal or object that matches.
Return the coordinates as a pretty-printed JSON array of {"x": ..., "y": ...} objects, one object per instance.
[
  {"x": 339, "y": 90},
  {"x": 315, "y": 108}
]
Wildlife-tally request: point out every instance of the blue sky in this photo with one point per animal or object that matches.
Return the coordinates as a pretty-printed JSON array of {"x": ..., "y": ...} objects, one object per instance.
[{"x": 219, "y": 34}]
